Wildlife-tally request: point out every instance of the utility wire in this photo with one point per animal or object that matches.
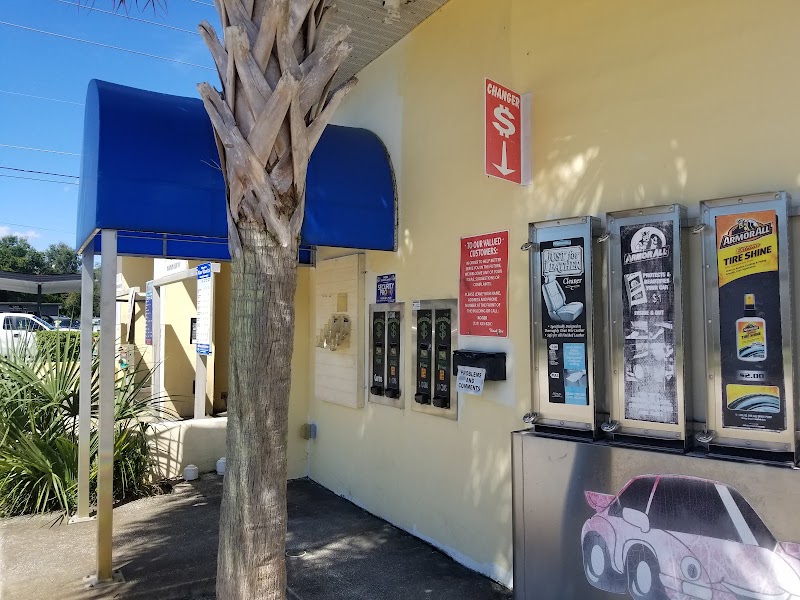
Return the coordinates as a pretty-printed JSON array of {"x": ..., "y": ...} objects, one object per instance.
[
  {"x": 38, "y": 150},
  {"x": 37, "y": 179},
  {"x": 39, "y": 172},
  {"x": 137, "y": 52},
  {"x": 203, "y": 3},
  {"x": 40, "y": 97},
  {"x": 35, "y": 227},
  {"x": 126, "y": 16}
]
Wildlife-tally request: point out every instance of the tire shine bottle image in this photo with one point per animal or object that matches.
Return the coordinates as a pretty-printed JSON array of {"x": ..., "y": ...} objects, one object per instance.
[{"x": 751, "y": 333}]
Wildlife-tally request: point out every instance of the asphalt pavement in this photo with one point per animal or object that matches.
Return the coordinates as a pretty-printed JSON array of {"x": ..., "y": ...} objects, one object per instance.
[{"x": 166, "y": 549}]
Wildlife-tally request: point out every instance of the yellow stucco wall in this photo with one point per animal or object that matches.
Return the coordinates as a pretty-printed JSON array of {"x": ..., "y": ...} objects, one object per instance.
[
  {"x": 179, "y": 366},
  {"x": 634, "y": 104},
  {"x": 297, "y": 459},
  {"x": 179, "y": 354},
  {"x": 136, "y": 272}
]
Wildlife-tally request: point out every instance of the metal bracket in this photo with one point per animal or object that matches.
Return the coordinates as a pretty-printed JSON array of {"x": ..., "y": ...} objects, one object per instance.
[
  {"x": 705, "y": 436},
  {"x": 91, "y": 581},
  {"x": 609, "y": 426},
  {"x": 76, "y": 519},
  {"x": 527, "y": 246},
  {"x": 699, "y": 228},
  {"x": 530, "y": 418},
  {"x": 604, "y": 238}
]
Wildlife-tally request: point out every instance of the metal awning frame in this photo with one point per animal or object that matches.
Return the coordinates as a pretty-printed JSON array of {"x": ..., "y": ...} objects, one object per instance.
[{"x": 104, "y": 574}]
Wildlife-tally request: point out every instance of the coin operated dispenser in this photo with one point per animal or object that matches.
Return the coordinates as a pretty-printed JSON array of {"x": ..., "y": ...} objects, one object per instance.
[
  {"x": 386, "y": 354},
  {"x": 434, "y": 329}
]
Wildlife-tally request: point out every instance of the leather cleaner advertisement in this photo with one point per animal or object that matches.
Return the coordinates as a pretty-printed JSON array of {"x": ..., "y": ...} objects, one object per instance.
[
  {"x": 564, "y": 320},
  {"x": 648, "y": 320},
  {"x": 751, "y": 344}
]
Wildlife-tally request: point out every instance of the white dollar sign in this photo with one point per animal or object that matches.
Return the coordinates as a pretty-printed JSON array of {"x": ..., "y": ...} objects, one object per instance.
[{"x": 505, "y": 128}]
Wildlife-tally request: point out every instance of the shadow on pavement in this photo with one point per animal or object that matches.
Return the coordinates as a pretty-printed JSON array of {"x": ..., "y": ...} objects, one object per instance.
[{"x": 166, "y": 547}]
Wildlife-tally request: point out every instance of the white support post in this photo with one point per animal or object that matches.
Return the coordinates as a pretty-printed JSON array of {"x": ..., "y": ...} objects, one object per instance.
[
  {"x": 105, "y": 454},
  {"x": 201, "y": 360},
  {"x": 85, "y": 400},
  {"x": 200, "y": 377},
  {"x": 156, "y": 377}
]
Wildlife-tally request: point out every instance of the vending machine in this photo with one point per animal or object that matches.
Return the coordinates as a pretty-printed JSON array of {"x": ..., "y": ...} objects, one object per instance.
[{"x": 685, "y": 485}]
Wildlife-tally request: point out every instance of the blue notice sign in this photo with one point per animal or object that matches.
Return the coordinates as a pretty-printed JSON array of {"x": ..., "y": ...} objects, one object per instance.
[
  {"x": 386, "y": 289},
  {"x": 148, "y": 314},
  {"x": 204, "y": 291}
]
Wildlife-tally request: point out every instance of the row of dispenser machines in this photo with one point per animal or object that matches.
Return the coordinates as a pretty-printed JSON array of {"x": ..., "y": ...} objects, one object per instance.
[
  {"x": 659, "y": 330},
  {"x": 434, "y": 341}
]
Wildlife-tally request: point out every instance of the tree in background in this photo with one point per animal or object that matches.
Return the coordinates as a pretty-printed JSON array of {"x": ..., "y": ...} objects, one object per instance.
[
  {"x": 17, "y": 255},
  {"x": 277, "y": 97},
  {"x": 61, "y": 259}
]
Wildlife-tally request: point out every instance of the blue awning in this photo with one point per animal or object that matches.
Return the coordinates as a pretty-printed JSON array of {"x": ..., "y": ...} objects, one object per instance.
[{"x": 150, "y": 170}]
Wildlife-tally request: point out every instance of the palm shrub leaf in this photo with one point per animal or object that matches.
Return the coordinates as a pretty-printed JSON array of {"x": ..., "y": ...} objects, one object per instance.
[{"x": 39, "y": 397}]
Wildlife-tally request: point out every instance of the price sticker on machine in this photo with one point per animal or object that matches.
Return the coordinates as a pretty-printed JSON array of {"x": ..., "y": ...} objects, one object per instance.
[{"x": 470, "y": 380}]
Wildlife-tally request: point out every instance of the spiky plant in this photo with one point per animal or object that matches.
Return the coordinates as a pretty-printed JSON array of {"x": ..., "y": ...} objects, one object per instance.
[{"x": 39, "y": 388}]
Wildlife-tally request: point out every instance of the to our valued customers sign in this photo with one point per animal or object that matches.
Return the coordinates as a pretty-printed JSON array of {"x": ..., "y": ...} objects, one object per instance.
[
  {"x": 483, "y": 285},
  {"x": 507, "y": 123}
]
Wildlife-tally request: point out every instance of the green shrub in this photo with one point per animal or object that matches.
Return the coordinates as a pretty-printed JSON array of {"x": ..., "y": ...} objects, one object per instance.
[
  {"x": 39, "y": 431},
  {"x": 60, "y": 345}
]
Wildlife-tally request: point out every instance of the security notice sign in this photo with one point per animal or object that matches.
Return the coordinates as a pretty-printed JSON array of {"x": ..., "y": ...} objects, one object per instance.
[
  {"x": 204, "y": 291},
  {"x": 483, "y": 285},
  {"x": 507, "y": 134},
  {"x": 751, "y": 332}
]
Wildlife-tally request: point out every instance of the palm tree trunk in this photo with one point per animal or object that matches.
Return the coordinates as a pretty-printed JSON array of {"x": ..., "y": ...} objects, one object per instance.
[{"x": 253, "y": 519}]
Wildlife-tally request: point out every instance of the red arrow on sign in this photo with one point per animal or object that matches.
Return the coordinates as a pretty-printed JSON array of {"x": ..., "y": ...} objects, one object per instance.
[{"x": 507, "y": 138}]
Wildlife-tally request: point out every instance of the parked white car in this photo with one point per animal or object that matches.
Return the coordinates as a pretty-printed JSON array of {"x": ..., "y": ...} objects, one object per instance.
[{"x": 18, "y": 331}]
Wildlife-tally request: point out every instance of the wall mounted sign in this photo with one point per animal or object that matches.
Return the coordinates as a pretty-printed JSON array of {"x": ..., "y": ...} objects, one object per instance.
[
  {"x": 646, "y": 325},
  {"x": 470, "y": 380},
  {"x": 148, "y": 314},
  {"x": 750, "y": 327},
  {"x": 204, "y": 291},
  {"x": 385, "y": 289},
  {"x": 507, "y": 124},
  {"x": 563, "y": 289},
  {"x": 483, "y": 285},
  {"x": 648, "y": 322}
]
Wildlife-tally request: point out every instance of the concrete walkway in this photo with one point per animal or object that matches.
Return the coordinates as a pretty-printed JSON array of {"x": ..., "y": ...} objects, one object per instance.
[{"x": 166, "y": 547}]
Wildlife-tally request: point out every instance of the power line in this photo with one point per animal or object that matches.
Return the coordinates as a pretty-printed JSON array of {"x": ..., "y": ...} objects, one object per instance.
[
  {"x": 39, "y": 172},
  {"x": 137, "y": 52},
  {"x": 40, "y": 97},
  {"x": 203, "y": 3},
  {"x": 37, "y": 179},
  {"x": 35, "y": 227},
  {"x": 127, "y": 16},
  {"x": 38, "y": 150}
]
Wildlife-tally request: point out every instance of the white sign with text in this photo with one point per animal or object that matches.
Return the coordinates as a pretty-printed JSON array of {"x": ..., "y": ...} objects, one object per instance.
[{"x": 470, "y": 380}]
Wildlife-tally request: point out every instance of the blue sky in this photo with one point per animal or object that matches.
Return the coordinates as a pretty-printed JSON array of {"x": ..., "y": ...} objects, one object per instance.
[{"x": 43, "y": 65}]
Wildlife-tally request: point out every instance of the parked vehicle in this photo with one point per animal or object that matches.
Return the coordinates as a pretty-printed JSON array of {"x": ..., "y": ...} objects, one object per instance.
[
  {"x": 19, "y": 331},
  {"x": 66, "y": 323},
  {"x": 673, "y": 537}
]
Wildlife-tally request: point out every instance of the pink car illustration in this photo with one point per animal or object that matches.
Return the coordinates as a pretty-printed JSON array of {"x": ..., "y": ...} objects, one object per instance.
[{"x": 669, "y": 537}]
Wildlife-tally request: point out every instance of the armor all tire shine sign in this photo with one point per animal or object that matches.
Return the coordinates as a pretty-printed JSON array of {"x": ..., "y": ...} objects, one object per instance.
[{"x": 750, "y": 328}]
